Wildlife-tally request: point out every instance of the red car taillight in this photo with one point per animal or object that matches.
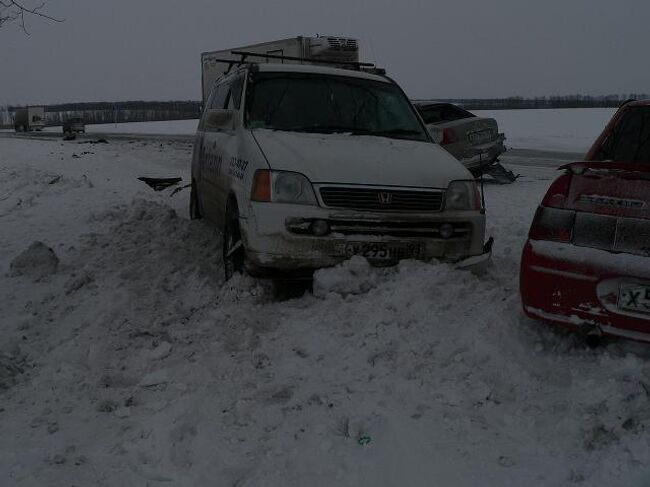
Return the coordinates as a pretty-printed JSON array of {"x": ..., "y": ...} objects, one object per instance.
[
  {"x": 448, "y": 137},
  {"x": 552, "y": 224},
  {"x": 552, "y": 221}
]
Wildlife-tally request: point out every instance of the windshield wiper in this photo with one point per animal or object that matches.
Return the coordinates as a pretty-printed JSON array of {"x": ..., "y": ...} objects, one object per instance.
[
  {"x": 341, "y": 129},
  {"x": 328, "y": 129},
  {"x": 397, "y": 132}
]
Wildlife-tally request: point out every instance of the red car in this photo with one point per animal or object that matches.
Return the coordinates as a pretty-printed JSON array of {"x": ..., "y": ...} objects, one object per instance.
[{"x": 586, "y": 263}]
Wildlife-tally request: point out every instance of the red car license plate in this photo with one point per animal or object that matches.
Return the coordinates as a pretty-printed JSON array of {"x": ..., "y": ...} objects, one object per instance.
[{"x": 634, "y": 298}]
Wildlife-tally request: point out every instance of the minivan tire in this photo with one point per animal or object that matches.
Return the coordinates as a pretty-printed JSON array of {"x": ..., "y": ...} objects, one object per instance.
[
  {"x": 234, "y": 254},
  {"x": 195, "y": 211}
]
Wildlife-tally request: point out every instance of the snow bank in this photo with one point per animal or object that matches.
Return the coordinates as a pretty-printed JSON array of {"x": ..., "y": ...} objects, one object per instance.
[{"x": 135, "y": 364}]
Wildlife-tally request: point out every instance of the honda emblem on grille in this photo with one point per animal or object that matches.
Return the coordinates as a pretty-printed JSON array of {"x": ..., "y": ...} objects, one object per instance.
[{"x": 385, "y": 198}]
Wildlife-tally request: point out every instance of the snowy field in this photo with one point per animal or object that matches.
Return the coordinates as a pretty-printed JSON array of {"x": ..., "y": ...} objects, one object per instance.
[
  {"x": 129, "y": 362},
  {"x": 171, "y": 127},
  {"x": 567, "y": 130}
]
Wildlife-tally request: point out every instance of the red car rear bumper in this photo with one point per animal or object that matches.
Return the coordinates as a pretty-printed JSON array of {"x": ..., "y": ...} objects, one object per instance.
[{"x": 576, "y": 286}]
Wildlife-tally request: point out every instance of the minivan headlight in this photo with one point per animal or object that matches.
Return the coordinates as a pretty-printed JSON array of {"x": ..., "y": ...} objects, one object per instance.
[
  {"x": 282, "y": 187},
  {"x": 462, "y": 195}
]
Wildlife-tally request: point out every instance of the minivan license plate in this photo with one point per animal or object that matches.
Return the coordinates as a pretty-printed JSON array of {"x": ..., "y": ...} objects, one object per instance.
[
  {"x": 634, "y": 298},
  {"x": 378, "y": 251}
]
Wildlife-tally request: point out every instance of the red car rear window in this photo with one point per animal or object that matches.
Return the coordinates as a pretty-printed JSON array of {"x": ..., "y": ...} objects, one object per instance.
[{"x": 630, "y": 139}]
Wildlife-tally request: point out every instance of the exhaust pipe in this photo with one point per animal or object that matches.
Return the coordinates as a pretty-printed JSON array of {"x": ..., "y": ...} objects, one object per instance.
[{"x": 593, "y": 337}]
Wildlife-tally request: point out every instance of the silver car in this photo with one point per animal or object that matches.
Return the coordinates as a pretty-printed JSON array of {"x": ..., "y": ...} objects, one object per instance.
[{"x": 474, "y": 141}]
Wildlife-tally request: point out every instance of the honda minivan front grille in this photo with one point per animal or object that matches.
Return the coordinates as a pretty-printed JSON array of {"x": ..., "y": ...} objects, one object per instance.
[{"x": 380, "y": 199}]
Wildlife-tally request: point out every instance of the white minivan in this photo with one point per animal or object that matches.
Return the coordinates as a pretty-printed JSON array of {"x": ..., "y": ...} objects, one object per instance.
[{"x": 302, "y": 167}]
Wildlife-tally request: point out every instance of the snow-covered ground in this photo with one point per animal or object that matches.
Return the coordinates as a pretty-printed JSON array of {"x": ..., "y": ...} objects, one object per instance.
[
  {"x": 129, "y": 362},
  {"x": 570, "y": 130},
  {"x": 171, "y": 127},
  {"x": 167, "y": 127}
]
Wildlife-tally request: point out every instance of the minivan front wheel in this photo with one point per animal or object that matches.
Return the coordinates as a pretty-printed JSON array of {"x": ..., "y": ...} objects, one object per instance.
[
  {"x": 234, "y": 254},
  {"x": 195, "y": 212}
]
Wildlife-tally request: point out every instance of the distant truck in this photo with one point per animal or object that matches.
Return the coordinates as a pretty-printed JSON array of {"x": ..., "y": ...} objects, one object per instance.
[
  {"x": 74, "y": 126},
  {"x": 332, "y": 49},
  {"x": 30, "y": 118}
]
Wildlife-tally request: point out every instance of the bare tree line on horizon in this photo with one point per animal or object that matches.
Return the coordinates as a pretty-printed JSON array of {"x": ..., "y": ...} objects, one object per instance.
[{"x": 141, "y": 111}]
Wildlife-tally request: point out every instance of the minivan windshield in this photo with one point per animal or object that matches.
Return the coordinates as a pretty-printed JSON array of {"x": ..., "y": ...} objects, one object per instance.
[{"x": 327, "y": 104}]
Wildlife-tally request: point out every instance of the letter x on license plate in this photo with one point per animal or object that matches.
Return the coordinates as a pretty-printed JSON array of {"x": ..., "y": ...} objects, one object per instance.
[{"x": 634, "y": 298}]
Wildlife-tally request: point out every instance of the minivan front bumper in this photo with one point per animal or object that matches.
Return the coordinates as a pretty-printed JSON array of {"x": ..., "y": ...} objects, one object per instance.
[{"x": 278, "y": 238}]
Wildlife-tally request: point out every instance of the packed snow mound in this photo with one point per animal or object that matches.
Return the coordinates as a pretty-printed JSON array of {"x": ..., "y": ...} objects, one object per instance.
[
  {"x": 355, "y": 276},
  {"x": 37, "y": 261}
]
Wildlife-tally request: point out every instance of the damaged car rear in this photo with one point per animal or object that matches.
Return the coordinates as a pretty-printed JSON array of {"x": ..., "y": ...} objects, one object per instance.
[
  {"x": 303, "y": 167},
  {"x": 474, "y": 141}
]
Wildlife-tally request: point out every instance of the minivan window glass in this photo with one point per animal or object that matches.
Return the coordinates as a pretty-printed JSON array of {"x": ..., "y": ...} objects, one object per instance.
[
  {"x": 207, "y": 106},
  {"x": 208, "y": 103},
  {"x": 220, "y": 96},
  {"x": 330, "y": 104},
  {"x": 235, "y": 93}
]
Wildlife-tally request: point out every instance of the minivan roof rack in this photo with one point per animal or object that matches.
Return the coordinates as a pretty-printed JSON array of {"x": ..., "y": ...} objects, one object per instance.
[
  {"x": 367, "y": 67},
  {"x": 245, "y": 54}
]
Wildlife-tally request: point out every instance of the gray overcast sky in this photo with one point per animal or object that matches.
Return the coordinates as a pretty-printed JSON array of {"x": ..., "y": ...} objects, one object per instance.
[{"x": 150, "y": 49}]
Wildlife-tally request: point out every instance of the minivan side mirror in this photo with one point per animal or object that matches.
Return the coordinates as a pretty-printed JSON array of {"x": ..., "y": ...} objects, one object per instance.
[{"x": 217, "y": 119}]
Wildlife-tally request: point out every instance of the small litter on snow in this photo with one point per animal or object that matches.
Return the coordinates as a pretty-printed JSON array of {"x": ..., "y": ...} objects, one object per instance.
[
  {"x": 155, "y": 378},
  {"x": 96, "y": 141},
  {"x": 158, "y": 184},
  {"x": 501, "y": 175},
  {"x": 177, "y": 190}
]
